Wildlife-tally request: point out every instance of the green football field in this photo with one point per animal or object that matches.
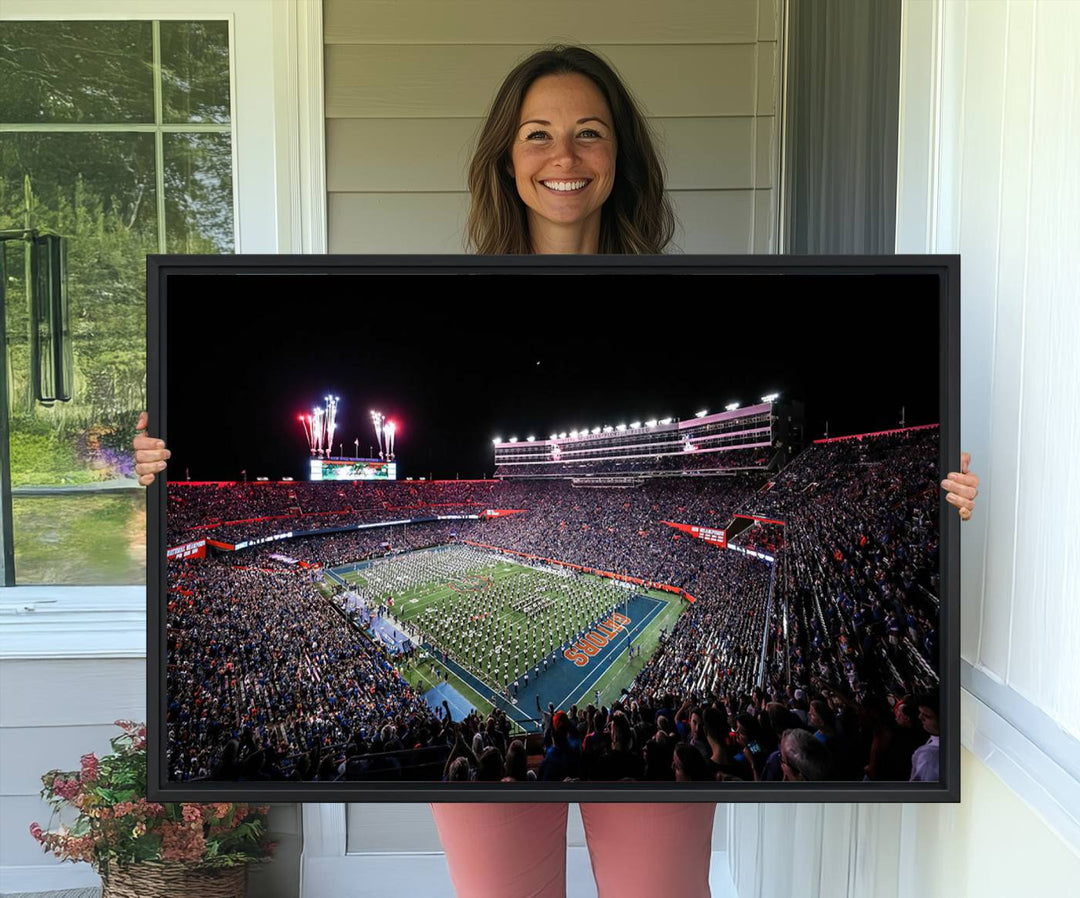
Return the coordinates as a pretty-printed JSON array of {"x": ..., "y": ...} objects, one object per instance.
[{"x": 468, "y": 596}]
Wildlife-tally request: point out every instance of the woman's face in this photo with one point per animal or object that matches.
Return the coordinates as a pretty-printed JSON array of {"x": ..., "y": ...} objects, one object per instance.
[{"x": 563, "y": 154}]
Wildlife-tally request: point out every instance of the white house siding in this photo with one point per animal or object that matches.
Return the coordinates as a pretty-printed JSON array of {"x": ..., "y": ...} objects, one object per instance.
[{"x": 408, "y": 83}]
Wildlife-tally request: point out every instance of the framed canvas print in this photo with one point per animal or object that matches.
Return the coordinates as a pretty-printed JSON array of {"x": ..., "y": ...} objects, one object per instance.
[{"x": 554, "y": 528}]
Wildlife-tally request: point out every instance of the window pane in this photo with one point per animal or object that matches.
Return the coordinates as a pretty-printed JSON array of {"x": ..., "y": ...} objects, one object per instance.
[
  {"x": 76, "y": 72},
  {"x": 97, "y": 190},
  {"x": 81, "y": 540},
  {"x": 198, "y": 193},
  {"x": 195, "y": 72}
]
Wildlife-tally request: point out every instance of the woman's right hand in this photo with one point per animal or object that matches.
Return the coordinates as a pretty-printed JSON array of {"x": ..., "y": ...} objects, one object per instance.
[{"x": 150, "y": 452}]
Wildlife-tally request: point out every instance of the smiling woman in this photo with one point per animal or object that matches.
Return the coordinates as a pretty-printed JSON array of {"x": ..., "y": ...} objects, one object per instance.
[{"x": 565, "y": 163}]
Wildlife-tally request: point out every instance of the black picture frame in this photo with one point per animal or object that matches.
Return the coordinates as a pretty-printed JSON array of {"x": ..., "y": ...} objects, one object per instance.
[{"x": 163, "y": 269}]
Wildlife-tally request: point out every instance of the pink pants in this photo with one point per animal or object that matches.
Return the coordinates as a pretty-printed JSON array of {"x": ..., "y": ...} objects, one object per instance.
[{"x": 519, "y": 850}]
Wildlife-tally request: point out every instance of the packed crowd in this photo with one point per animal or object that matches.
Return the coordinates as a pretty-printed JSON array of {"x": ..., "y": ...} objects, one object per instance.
[
  {"x": 256, "y": 655},
  {"x": 847, "y": 616},
  {"x": 654, "y": 736},
  {"x": 235, "y": 511},
  {"x": 716, "y": 644},
  {"x": 859, "y": 574}
]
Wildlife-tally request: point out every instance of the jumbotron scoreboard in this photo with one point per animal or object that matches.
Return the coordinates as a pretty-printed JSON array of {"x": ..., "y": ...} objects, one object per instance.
[{"x": 353, "y": 469}]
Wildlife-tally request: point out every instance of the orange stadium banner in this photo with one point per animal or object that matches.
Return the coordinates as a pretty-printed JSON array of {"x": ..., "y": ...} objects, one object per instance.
[{"x": 710, "y": 534}]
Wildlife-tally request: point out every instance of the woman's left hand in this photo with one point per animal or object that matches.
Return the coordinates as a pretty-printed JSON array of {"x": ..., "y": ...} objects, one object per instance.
[{"x": 961, "y": 487}]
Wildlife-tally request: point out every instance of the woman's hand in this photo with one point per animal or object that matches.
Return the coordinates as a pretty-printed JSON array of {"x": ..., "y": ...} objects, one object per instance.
[
  {"x": 150, "y": 453},
  {"x": 961, "y": 487}
]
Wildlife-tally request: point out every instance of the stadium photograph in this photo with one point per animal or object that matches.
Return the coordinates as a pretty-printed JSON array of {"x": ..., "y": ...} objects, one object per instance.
[{"x": 540, "y": 538}]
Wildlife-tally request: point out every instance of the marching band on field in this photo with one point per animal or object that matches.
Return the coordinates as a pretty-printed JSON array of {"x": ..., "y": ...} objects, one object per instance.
[{"x": 502, "y": 621}]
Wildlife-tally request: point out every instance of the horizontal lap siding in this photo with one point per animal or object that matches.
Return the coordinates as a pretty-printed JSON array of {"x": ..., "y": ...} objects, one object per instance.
[
  {"x": 408, "y": 84},
  {"x": 424, "y": 155},
  {"x": 522, "y": 22},
  {"x": 460, "y": 81},
  {"x": 80, "y": 699}
]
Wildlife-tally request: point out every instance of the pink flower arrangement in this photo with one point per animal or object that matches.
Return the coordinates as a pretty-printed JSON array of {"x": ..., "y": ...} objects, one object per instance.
[
  {"x": 116, "y": 824},
  {"x": 89, "y": 768}
]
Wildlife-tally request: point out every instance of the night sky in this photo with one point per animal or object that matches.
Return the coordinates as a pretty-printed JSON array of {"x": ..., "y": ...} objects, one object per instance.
[{"x": 456, "y": 361}]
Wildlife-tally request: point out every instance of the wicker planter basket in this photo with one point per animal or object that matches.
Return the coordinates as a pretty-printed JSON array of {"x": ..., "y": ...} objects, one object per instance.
[{"x": 174, "y": 881}]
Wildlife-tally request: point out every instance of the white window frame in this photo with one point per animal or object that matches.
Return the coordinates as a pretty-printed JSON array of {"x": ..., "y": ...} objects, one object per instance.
[{"x": 279, "y": 192}]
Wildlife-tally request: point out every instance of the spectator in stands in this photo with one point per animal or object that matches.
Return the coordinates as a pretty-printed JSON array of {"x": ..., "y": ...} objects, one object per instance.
[
  {"x": 562, "y": 759},
  {"x": 517, "y": 764},
  {"x": 896, "y": 735},
  {"x": 490, "y": 766},
  {"x": 689, "y": 765},
  {"x": 924, "y": 762},
  {"x": 619, "y": 761},
  {"x": 804, "y": 758}
]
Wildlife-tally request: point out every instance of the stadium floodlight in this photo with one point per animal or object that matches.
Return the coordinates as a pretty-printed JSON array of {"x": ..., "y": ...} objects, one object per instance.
[
  {"x": 608, "y": 428},
  {"x": 553, "y": 437},
  {"x": 731, "y": 406},
  {"x": 497, "y": 440},
  {"x": 636, "y": 425},
  {"x": 573, "y": 433},
  {"x": 702, "y": 413},
  {"x": 665, "y": 420},
  {"x": 596, "y": 430},
  {"x": 770, "y": 397},
  {"x": 651, "y": 423},
  {"x": 562, "y": 436},
  {"x": 620, "y": 427},
  {"x": 513, "y": 439},
  {"x": 530, "y": 439}
]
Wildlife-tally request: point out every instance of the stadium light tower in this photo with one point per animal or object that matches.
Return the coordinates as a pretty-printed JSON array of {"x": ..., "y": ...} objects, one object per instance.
[
  {"x": 596, "y": 430},
  {"x": 496, "y": 440},
  {"x": 731, "y": 406},
  {"x": 770, "y": 397},
  {"x": 562, "y": 436},
  {"x": 665, "y": 421},
  {"x": 620, "y": 427},
  {"x": 513, "y": 439},
  {"x": 652, "y": 423},
  {"x": 636, "y": 425},
  {"x": 530, "y": 439},
  {"x": 573, "y": 433},
  {"x": 702, "y": 413}
]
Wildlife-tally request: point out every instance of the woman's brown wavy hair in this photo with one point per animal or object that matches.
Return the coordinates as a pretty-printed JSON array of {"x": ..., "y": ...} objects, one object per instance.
[{"x": 636, "y": 218}]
